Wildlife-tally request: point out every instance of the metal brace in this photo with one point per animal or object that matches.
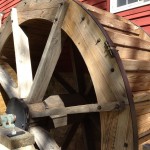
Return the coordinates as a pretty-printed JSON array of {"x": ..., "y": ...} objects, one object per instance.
[{"x": 109, "y": 48}]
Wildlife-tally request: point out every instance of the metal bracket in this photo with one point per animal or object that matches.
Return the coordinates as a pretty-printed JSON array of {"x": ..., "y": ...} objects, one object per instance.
[{"x": 109, "y": 49}]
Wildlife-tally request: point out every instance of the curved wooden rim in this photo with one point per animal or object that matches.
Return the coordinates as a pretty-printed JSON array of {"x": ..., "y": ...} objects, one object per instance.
[{"x": 125, "y": 79}]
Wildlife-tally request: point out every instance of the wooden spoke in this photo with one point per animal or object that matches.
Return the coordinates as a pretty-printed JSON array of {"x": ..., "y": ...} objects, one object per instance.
[
  {"x": 49, "y": 59},
  {"x": 43, "y": 139},
  {"x": 64, "y": 83},
  {"x": 57, "y": 108},
  {"x": 7, "y": 84},
  {"x": 22, "y": 53}
]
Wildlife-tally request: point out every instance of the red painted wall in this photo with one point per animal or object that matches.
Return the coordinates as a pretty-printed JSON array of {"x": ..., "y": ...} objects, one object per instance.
[
  {"x": 6, "y": 5},
  {"x": 97, "y": 3},
  {"x": 139, "y": 16}
]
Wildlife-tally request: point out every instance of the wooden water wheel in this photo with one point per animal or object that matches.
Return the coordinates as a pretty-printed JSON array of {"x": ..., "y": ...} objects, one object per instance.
[{"x": 74, "y": 59}]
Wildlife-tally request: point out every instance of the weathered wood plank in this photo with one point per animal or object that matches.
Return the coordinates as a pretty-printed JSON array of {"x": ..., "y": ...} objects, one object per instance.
[
  {"x": 143, "y": 122},
  {"x": 144, "y": 140},
  {"x": 128, "y": 41},
  {"x": 43, "y": 139},
  {"x": 141, "y": 96},
  {"x": 142, "y": 108},
  {"x": 139, "y": 81},
  {"x": 116, "y": 24},
  {"x": 133, "y": 53},
  {"x": 49, "y": 59},
  {"x": 7, "y": 83},
  {"x": 136, "y": 65},
  {"x": 106, "y": 13},
  {"x": 16, "y": 141},
  {"x": 22, "y": 53}
]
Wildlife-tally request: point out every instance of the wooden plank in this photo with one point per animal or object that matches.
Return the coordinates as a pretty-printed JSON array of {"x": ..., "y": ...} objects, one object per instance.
[
  {"x": 142, "y": 108},
  {"x": 128, "y": 41},
  {"x": 115, "y": 24},
  {"x": 143, "y": 123},
  {"x": 61, "y": 111},
  {"x": 139, "y": 86},
  {"x": 43, "y": 139},
  {"x": 107, "y": 14},
  {"x": 22, "y": 53},
  {"x": 136, "y": 65},
  {"x": 49, "y": 59},
  {"x": 133, "y": 53},
  {"x": 141, "y": 96},
  {"x": 144, "y": 140},
  {"x": 16, "y": 141},
  {"x": 134, "y": 77},
  {"x": 7, "y": 84}
]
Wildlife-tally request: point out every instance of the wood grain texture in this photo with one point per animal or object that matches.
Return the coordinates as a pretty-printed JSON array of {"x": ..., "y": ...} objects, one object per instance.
[
  {"x": 136, "y": 65},
  {"x": 109, "y": 86},
  {"x": 22, "y": 55}
]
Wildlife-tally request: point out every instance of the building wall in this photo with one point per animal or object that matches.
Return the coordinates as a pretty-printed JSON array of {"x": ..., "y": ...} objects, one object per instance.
[
  {"x": 6, "y": 5},
  {"x": 97, "y": 3},
  {"x": 140, "y": 16}
]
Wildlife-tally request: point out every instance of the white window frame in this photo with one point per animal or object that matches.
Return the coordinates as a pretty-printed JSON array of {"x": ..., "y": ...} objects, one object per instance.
[{"x": 115, "y": 9}]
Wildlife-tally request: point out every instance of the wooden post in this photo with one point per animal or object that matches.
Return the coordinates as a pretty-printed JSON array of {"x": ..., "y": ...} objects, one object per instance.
[
  {"x": 7, "y": 84},
  {"x": 22, "y": 53}
]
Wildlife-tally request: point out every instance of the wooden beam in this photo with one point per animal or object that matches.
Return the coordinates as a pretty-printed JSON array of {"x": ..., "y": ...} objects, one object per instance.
[
  {"x": 143, "y": 122},
  {"x": 106, "y": 13},
  {"x": 116, "y": 24},
  {"x": 141, "y": 96},
  {"x": 16, "y": 141},
  {"x": 128, "y": 41},
  {"x": 8, "y": 84},
  {"x": 22, "y": 53},
  {"x": 60, "y": 111},
  {"x": 133, "y": 53},
  {"x": 142, "y": 108},
  {"x": 136, "y": 65},
  {"x": 43, "y": 139},
  {"x": 49, "y": 58}
]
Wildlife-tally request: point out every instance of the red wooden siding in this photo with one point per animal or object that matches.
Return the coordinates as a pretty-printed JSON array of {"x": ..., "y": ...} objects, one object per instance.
[
  {"x": 140, "y": 16},
  {"x": 97, "y": 3},
  {"x": 6, "y": 5}
]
